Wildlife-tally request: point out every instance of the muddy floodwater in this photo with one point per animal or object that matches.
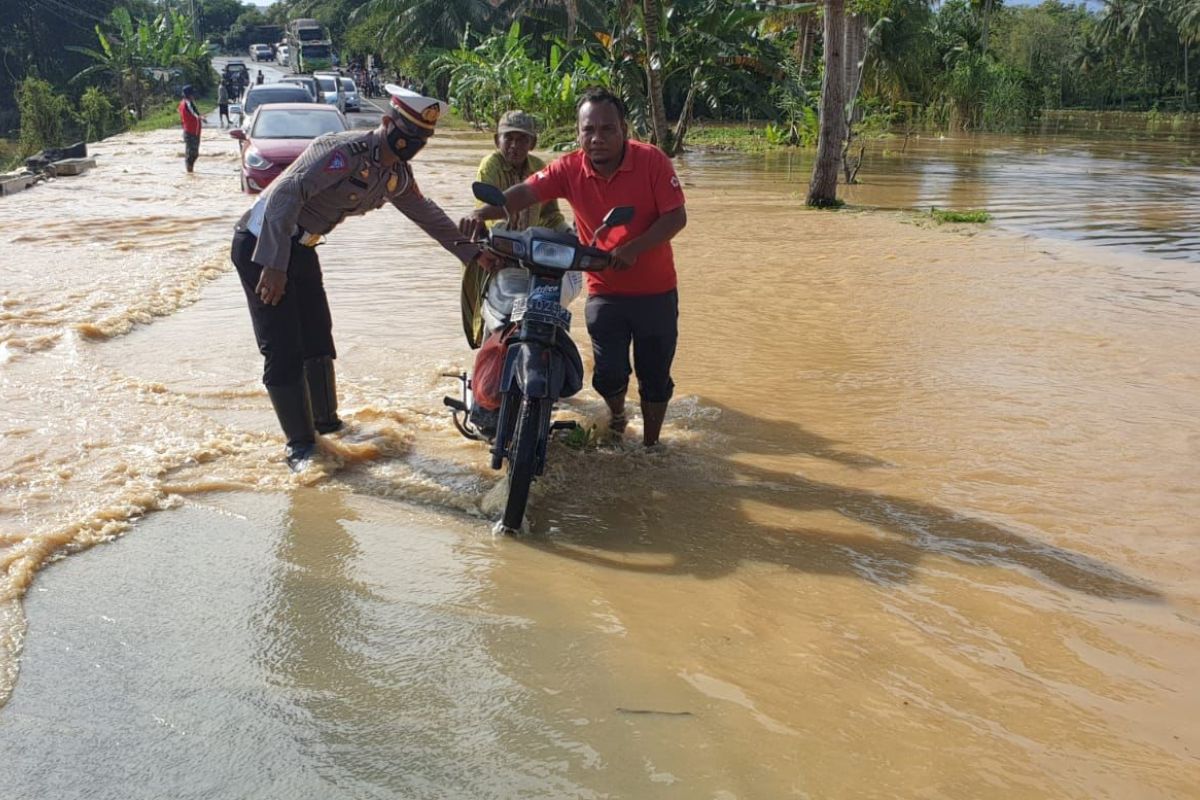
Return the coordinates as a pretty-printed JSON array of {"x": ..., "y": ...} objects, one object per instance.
[{"x": 926, "y": 524}]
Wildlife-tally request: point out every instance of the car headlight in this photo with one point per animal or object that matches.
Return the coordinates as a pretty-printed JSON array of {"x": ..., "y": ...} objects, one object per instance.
[
  {"x": 552, "y": 254},
  {"x": 254, "y": 160}
]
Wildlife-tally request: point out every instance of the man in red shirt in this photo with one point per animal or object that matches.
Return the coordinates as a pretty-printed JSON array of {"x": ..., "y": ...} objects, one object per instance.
[
  {"x": 635, "y": 301},
  {"x": 189, "y": 115}
]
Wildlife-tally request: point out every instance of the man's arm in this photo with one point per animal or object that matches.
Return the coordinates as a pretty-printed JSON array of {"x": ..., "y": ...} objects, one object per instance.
[{"x": 662, "y": 231}]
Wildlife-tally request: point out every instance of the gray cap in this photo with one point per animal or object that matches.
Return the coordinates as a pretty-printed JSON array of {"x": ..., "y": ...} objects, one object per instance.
[{"x": 517, "y": 121}]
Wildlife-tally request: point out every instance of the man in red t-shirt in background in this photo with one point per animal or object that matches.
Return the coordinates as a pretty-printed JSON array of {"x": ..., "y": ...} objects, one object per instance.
[
  {"x": 189, "y": 115},
  {"x": 634, "y": 301}
]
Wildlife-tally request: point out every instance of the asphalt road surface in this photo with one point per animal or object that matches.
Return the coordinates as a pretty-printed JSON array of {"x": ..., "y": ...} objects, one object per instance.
[{"x": 272, "y": 72}]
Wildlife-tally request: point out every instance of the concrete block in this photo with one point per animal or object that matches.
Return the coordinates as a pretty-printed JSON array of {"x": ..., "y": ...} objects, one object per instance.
[
  {"x": 11, "y": 183},
  {"x": 71, "y": 166}
]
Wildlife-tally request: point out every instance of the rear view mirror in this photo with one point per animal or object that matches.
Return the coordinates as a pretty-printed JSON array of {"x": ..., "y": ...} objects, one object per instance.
[
  {"x": 618, "y": 216},
  {"x": 238, "y": 134},
  {"x": 486, "y": 193}
]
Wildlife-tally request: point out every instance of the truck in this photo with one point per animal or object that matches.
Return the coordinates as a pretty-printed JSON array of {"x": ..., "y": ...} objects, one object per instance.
[{"x": 309, "y": 46}]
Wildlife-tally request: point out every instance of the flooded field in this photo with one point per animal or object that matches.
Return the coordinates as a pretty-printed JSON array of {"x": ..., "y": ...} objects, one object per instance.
[{"x": 926, "y": 524}]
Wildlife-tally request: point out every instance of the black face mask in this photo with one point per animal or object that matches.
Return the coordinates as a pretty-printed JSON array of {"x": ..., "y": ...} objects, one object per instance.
[{"x": 403, "y": 143}]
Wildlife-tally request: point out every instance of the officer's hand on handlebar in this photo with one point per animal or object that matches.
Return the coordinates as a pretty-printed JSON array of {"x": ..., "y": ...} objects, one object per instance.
[
  {"x": 488, "y": 260},
  {"x": 472, "y": 226},
  {"x": 271, "y": 286}
]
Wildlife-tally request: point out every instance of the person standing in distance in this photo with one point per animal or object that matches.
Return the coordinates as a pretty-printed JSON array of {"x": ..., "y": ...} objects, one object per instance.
[
  {"x": 223, "y": 104},
  {"x": 189, "y": 115},
  {"x": 634, "y": 302},
  {"x": 274, "y": 243}
]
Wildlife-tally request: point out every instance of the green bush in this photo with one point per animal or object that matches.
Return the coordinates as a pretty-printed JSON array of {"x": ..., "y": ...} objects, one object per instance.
[
  {"x": 43, "y": 114},
  {"x": 500, "y": 74},
  {"x": 96, "y": 114},
  {"x": 944, "y": 215}
]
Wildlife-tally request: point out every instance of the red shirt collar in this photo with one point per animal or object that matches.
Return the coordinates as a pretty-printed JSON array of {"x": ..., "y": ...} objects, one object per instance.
[{"x": 626, "y": 164}]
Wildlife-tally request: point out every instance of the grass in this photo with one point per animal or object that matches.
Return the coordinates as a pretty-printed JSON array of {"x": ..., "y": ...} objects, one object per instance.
[
  {"x": 10, "y": 157},
  {"x": 946, "y": 215},
  {"x": 167, "y": 115},
  {"x": 744, "y": 137}
]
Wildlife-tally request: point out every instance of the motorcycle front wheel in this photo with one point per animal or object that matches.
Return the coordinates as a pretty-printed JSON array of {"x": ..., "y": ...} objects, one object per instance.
[{"x": 522, "y": 460}]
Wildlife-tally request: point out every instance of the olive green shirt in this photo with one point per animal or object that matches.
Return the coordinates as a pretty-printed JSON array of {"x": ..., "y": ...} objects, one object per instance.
[{"x": 495, "y": 170}]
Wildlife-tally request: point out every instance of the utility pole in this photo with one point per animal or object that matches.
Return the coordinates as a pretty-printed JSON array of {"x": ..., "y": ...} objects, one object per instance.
[{"x": 195, "y": 20}]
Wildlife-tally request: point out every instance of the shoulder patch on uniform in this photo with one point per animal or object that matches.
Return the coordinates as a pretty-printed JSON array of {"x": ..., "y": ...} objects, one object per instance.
[{"x": 337, "y": 162}]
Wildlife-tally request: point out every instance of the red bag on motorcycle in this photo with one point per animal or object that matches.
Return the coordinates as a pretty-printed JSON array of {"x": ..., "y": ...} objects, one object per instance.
[{"x": 489, "y": 368}]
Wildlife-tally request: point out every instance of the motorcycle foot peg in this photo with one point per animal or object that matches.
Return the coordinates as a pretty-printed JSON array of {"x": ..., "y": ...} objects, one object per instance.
[
  {"x": 455, "y": 403},
  {"x": 564, "y": 425}
]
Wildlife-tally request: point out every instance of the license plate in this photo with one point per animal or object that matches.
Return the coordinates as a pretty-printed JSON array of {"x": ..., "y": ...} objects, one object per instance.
[{"x": 538, "y": 310}]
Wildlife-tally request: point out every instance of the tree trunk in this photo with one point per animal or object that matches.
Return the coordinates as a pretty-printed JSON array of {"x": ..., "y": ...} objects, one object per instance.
[
  {"x": 652, "y": 17},
  {"x": 685, "y": 117},
  {"x": 804, "y": 43},
  {"x": 987, "y": 18},
  {"x": 822, "y": 190},
  {"x": 855, "y": 50},
  {"x": 1186, "y": 82}
]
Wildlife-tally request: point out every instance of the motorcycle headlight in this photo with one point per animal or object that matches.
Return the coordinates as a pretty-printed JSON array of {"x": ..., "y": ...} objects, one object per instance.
[
  {"x": 254, "y": 160},
  {"x": 552, "y": 254}
]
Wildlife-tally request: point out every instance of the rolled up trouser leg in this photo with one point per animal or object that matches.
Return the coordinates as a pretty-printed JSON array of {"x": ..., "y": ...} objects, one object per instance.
[
  {"x": 295, "y": 418},
  {"x": 322, "y": 393}
]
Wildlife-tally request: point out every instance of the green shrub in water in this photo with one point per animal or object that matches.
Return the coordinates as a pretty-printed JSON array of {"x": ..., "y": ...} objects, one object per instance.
[
  {"x": 96, "y": 114},
  {"x": 942, "y": 215}
]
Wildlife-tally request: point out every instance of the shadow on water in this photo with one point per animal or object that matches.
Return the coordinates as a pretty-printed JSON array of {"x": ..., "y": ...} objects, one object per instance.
[{"x": 707, "y": 514}]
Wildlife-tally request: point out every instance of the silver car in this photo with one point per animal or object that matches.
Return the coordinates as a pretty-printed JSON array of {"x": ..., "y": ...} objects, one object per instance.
[{"x": 353, "y": 103}]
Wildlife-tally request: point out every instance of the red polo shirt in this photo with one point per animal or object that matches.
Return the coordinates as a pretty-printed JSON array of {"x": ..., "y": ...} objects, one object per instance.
[
  {"x": 189, "y": 117},
  {"x": 645, "y": 180}
]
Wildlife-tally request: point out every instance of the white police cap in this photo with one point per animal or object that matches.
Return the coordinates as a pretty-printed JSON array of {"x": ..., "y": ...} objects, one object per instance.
[{"x": 415, "y": 108}]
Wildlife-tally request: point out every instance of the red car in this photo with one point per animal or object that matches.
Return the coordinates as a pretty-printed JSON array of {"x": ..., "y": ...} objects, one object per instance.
[{"x": 275, "y": 136}]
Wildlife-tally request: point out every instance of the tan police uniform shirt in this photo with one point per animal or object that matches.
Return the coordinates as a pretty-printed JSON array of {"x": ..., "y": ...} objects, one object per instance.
[{"x": 337, "y": 176}]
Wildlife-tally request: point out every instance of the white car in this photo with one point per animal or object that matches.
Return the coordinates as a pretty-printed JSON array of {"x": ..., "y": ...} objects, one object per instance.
[
  {"x": 283, "y": 55},
  {"x": 353, "y": 102},
  {"x": 331, "y": 89}
]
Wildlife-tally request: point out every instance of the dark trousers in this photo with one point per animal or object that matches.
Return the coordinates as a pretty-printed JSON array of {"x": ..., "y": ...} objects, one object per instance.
[
  {"x": 191, "y": 148},
  {"x": 300, "y": 327},
  {"x": 651, "y": 324}
]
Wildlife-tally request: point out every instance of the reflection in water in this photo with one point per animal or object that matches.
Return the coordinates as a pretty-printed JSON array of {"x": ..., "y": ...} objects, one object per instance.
[
  {"x": 1136, "y": 189},
  {"x": 713, "y": 532},
  {"x": 386, "y": 666}
]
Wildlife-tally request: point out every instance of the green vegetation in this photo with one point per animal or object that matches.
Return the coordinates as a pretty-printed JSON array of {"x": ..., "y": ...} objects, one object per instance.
[
  {"x": 684, "y": 67},
  {"x": 944, "y": 215}
]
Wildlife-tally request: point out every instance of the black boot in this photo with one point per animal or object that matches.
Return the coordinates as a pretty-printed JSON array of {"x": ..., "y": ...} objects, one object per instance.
[
  {"x": 322, "y": 392},
  {"x": 295, "y": 417}
]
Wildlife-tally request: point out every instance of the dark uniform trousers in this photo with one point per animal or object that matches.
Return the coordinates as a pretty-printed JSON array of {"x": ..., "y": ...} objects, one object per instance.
[{"x": 300, "y": 327}]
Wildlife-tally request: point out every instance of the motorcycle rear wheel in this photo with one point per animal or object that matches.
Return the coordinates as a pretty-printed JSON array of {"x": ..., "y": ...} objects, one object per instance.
[{"x": 522, "y": 461}]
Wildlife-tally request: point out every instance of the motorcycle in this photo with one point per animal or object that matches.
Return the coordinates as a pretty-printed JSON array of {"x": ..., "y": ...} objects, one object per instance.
[{"x": 536, "y": 362}]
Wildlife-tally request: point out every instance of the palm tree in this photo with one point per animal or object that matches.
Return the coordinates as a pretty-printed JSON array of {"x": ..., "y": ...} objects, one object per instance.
[
  {"x": 822, "y": 189},
  {"x": 415, "y": 24},
  {"x": 651, "y": 27}
]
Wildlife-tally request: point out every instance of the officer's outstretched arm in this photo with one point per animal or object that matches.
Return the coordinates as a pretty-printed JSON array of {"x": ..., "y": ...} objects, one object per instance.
[{"x": 430, "y": 218}]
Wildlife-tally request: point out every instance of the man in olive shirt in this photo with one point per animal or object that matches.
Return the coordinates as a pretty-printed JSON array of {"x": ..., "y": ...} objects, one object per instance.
[
  {"x": 510, "y": 164},
  {"x": 274, "y": 243}
]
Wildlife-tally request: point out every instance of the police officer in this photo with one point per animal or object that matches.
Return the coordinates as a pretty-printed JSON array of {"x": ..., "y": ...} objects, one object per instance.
[{"x": 274, "y": 250}]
